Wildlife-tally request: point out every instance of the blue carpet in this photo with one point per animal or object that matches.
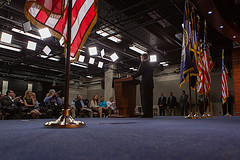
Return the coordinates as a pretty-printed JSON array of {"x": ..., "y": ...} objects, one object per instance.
[{"x": 123, "y": 139}]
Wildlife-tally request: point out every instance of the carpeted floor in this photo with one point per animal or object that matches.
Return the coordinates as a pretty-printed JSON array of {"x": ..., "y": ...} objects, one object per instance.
[{"x": 123, "y": 139}]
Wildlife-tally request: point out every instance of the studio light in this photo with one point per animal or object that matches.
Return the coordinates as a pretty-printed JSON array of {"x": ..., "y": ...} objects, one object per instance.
[
  {"x": 92, "y": 51},
  {"x": 6, "y": 37},
  {"x": 102, "y": 53},
  {"x": 153, "y": 58},
  {"x": 44, "y": 33},
  {"x": 91, "y": 60},
  {"x": 31, "y": 45},
  {"x": 114, "y": 57},
  {"x": 100, "y": 64},
  {"x": 136, "y": 49},
  {"x": 81, "y": 58},
  {"x": 47, "y": 50},
  {"x": 234, "y": 37},
  {"x": 221, "y": 27}
]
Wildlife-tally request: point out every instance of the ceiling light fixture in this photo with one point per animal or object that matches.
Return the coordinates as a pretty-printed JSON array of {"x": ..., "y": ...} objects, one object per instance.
[
  {"x": 221, "y": 26},
  {"x": 61, "y": 42},
  {"x": 102, "y": 52},
  {"x": 209, "y": 12},
  {"x": 234, "y": 37},
  {"x": 54, "y": 59},
  {"x": 90, "y": 77},
  {"x": 10, "y": 48},
  {"x": 43, "y": 56},
  {"x": 136, "y": 49},
  {"x": 25, "y": 33},
  {"x": 115, "y": 39},
  {"x": 102, "y": 33},
  {"x": 79, "y": 65}
]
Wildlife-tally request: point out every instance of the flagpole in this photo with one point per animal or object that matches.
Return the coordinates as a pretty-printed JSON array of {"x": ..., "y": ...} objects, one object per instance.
[
  {"x": 204, "y": 100},
  {"x": 67, "y": 60},
  {"x": 190, "y": 116},
  {"x": 65, "y": 120},
  {"x": 196, "y": 115}
]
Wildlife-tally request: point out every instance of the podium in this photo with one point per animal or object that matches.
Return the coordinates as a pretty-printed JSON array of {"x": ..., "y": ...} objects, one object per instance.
[{"x": 125, "y": 93}]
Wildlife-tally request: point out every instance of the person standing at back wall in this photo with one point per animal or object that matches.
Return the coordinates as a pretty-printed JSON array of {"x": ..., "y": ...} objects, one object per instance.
[{"x": 145, "y": 71}]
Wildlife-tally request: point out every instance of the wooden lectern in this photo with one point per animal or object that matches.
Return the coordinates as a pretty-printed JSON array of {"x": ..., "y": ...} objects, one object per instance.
[{"x": 125, "y": 93}]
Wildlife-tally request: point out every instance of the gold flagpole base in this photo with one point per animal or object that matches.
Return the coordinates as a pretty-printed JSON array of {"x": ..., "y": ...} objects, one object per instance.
[
  {"x": 197, "y": 115},
  {"x": 65, "y": 121},
  {"x": 228, "y": 115},
  {"x": 204, "y": 115},
  {"x": 190, "y": 116},
  {"x": 210, "y": 115}
]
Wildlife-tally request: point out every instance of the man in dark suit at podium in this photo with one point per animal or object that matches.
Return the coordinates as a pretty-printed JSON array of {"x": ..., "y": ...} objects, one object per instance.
[{"x": 145, "y": 71}]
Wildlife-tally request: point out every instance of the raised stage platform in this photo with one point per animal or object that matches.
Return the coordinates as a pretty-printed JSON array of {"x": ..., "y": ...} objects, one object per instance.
[{"x": 123, "y": 139}]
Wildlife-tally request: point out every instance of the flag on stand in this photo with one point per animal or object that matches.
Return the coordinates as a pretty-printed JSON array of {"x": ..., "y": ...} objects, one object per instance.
[
  {"x": 186, "y": 59},
  {"x": 53, "y": 14},
  {"x": 225, "y": 93},
  {"x": 200, "y": 67},
  {"x": 207, "y": 63},
  {"x": 194, "y": 47}
]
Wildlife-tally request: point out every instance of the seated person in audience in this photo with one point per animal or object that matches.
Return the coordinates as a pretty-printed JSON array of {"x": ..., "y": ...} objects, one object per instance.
[
  {"x": 38, "y": 105},
  {"x": 8, "y": 103},
  {"x": 79, "y": 104},
  {"x": 94, "y": 103},
  {"x": 52, "y": 103},
  {"x": 111, "y": 106},
  {"x": 103, "y": 108},
  {"x": 71, "y": 107},
  {"x": 86, "y": 103},
  {"x": 30, "y": 103}
]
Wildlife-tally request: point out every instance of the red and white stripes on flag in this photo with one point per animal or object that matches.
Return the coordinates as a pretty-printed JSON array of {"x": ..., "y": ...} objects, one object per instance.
[
  {"x": 225, "y": 92},
  {"x": 53, "y": 14},
  {"x": 207, "y": 63},
  {"x": 200, "y": 72}
]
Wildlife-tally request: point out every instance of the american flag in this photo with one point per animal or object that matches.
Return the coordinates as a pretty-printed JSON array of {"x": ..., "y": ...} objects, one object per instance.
[
  {"x": 200, "y": 72},
  {"x": 207, "y": 63},
  {"x": 53, "y": 14},
  {"x": 225, "y": 93}
]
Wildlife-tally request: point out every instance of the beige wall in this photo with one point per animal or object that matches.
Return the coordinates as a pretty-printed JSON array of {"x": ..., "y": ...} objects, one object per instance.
[{"x": 166, "y": 82}]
